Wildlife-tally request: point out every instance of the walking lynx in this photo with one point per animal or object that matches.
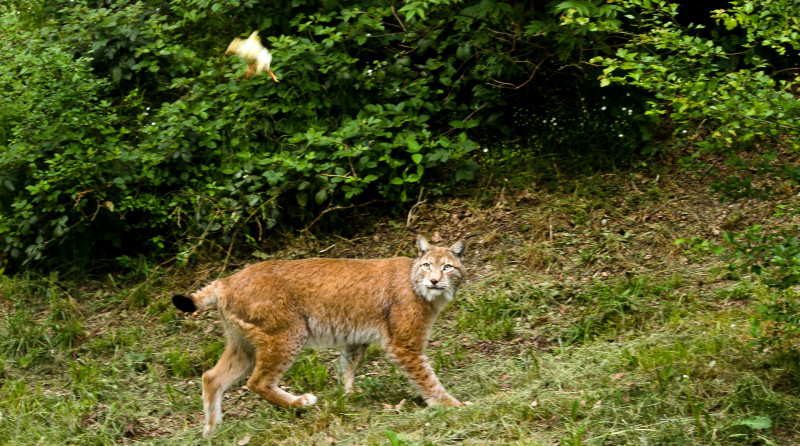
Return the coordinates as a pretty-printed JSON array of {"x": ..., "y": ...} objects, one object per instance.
[{"x": 273, "y": 309}]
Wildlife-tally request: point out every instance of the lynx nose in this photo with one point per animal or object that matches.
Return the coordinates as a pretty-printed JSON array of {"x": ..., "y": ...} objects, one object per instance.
[{"x": 434, "y": 281}]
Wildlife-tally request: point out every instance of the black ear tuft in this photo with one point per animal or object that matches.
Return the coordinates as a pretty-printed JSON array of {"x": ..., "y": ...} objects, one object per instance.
[
  {"x": 422, "y": 245},
  {"x": 184, "y": 303},
  {"x": 458, "y": 249}
]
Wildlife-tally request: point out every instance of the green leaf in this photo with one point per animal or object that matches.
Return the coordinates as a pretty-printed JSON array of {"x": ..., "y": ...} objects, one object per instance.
[
  {"x": 756, "y": 423},
  {"x": 394, "y": 439},
  {"x": 413, "y": 145},
  {"x": 302, "y": 198},
  {"x": 467, "y": 171},
  {"x": 320, "y": 196}
]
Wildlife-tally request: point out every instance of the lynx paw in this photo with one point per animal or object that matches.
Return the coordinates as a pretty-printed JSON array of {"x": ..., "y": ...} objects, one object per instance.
[
  {"x": 447, "y": 402},
  {"x": 458, "y": 404},
  {"x": 211, "y": 424},
  {"x": 305, "y": 400}
]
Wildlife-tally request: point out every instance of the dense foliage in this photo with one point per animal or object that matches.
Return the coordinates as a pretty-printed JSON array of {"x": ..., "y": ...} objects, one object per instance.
[
  {"x": 125, "y": 129},
  {"x": 125, "y": 126},
  {"x": 728, "y": 85},
  {"x": 731, "y": 90}
]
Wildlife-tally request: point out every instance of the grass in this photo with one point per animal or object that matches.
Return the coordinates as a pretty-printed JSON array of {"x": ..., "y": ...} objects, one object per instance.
[{"x": 582, "y": 323}]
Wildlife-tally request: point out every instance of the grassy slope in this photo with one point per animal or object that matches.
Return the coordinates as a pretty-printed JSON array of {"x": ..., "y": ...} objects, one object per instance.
[{"x": 582, "y": 323}]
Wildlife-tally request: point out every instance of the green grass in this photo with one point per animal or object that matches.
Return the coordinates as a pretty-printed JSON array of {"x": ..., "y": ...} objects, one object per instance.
[
  {"x": 572, "y": 331},
  {"x": 686, "y": 382}
]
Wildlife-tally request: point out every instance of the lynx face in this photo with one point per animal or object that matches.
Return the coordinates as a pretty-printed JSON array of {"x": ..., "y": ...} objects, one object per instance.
[{"x": 437, "y": 272}]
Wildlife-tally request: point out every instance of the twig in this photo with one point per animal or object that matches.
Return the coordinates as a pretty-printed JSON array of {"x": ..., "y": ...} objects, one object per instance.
[
  {"x": 501, "y": 84},
  {"x": 230, "y": 248},
  {"x": 469, "y": 116},
  {"x": 326, "y": 249},
  {"x": 205, "y": 231},
  {"x": 394, "y": 13},
  {"x": 338, "y": 208},
  {"x": 412, "y": 213}
]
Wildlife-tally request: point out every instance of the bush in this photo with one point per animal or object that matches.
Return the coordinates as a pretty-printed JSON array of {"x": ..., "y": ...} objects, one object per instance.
[
  {"x": 127, "y": 129},
  {"x": 773, "y": 257},
  {"x": 719, "y": 77},
  {"x": 728, "y": 81}
]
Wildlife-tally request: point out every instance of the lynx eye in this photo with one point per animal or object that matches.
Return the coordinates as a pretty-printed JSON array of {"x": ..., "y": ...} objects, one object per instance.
[
  {"x": 447, "y": 267},
  {"x": 426, "y": 266}
]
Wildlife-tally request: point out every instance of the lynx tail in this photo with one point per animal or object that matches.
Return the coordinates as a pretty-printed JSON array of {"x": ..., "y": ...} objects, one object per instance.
[
  {"x": 197, "y": 300},
  {"x": 184, "y": 303}
]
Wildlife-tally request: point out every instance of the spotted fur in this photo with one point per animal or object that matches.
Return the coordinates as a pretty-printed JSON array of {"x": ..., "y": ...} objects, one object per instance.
[{"x": 274, "y": 309}]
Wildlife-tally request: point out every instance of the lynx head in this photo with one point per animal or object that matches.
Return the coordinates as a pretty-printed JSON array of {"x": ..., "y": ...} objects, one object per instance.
[{"x": 437, "y": 272}]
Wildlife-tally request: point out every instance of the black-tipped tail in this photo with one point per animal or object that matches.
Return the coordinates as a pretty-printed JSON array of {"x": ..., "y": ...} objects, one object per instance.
[{"x": 184, "y": 303}]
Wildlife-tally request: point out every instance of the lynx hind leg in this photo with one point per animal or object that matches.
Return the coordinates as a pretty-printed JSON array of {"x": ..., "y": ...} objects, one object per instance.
[
  {"x": 236, "y": 361},
  {"x": 349, "y": 359},
  {"x": 275, "y": 353},
  {"x": 416, "y": 367}
]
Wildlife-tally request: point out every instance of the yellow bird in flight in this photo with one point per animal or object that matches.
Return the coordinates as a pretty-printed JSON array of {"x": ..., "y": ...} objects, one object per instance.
[{"x": 253, "y": 51}]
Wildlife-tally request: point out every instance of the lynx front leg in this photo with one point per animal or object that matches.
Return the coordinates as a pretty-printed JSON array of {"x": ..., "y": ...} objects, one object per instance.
[
  {"x": 416, "y": 367},
  {"x": 349, "y": 359}
]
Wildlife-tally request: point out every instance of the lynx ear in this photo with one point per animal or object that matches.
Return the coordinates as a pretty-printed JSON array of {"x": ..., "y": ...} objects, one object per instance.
[
  {"x": 458, "y": 249},
  {"x": 422, "y": 245}
]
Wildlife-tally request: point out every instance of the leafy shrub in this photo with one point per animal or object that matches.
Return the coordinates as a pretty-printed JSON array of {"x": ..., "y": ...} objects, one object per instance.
[
  {"x": 726, "y": 88},
  {"x": 773, "y": 256},
  {"x": 726, "y": 80},
  {"x": 125, "y": 128}
]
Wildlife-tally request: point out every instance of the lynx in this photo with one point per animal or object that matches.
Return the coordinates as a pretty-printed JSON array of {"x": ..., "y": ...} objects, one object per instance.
[{"x": 273, "y": 309}]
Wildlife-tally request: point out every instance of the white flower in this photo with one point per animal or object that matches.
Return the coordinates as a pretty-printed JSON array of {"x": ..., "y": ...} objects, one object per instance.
[
  {"x": 621, "y": 135},
  {"x": 623, "y": 108},
  {"x": 152, "y": 123},
  {"x": 712, "y": 364},
  {"x": 369, "y": 72},
  {"x": 485, "y": 150},
  {"x": 684, "y": 131},
  {"x": 603, "y": 107}
]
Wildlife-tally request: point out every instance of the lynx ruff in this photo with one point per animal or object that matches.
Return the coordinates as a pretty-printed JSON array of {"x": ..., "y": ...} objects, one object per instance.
[{"x": 273, "y": 309}]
